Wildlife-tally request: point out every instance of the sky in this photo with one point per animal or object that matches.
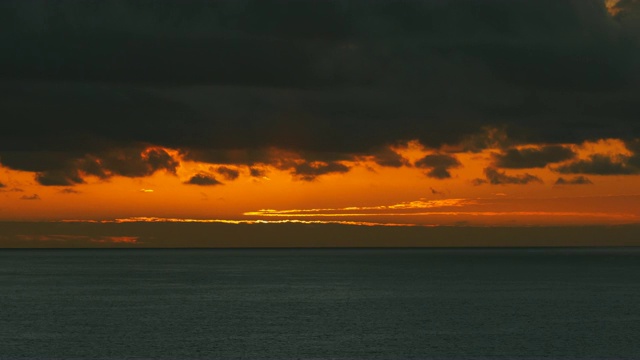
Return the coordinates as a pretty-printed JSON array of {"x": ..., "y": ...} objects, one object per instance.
[{"x": 324, "y": 115}]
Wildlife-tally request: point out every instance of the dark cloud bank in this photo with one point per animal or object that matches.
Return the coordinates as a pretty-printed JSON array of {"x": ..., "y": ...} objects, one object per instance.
[{"x": 82, "y": 83}]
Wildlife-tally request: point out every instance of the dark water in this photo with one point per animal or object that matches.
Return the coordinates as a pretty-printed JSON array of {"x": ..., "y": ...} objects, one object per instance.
[{"x": 320, "y": 304}]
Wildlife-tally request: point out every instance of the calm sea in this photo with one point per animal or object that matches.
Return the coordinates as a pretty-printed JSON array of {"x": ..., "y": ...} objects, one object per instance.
[{"x": 320, "y": 304}]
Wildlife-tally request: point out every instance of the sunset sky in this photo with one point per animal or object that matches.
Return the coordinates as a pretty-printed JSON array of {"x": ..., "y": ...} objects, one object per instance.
[{"x": 451, "y": 113}]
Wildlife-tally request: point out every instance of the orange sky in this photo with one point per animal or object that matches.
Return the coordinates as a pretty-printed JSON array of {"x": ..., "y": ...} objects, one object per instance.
[{"x": 367, "y": 193}]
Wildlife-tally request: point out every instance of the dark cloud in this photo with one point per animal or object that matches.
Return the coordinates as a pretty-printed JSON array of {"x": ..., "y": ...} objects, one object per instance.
[
  {"x": 487, "y": 138},
  {"x": 68, "y": 168},
  {"x": 237, "y": 156},
  {"x": 84, "y": 77},
  {"x": 255, "y": 172},
  {"x": 66, "y": 177},
  {"x": 533, "y": 157},
  {"x": 634, "y": 147},
  {"x": 203, "y": 180},
  {"x": 132, "y": 162},
  {"x": 577, "y": 180},
  {"x": 388, "y": 157},
  {"x": 599, "y": 164},
  {"x": 439, "y": 165},
  {"x": 496, "y": 177},
  {"x": 309, "y": 171},
  {"x": 70, "y": 191},
  {"x": 478, "y": 181},
  {"x": 228, "y": 173},
  {"x": 2, "y": 185},
  {"x": 30, "y": 197}
]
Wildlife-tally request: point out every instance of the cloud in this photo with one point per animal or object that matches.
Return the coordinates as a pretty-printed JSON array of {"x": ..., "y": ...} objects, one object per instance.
[
  {"x": 69, "y": 168},
  {"x": 65, "y": 177},
  {"x": 496, "y": 177},
  {"x": 69, "y": 191},
  {"x": 533, "y": 157},
  {"x": 634, "y": 147},
  {"x": 439, "y": 165},
  {"x": 183, "y": 76},
  {"x": 255, "y": 172},
  {"x": 4, "y": 189},
  {"x": 577, "y": 180},
  {"x": 2, "y": 185},
  {"x": 390, "y": 158},
  {"x": 203, "y": 180},
  {"x": 30, "y": 197},
  {"x": 599, "y": 164},
  {"x": 228, "y": 173},
  {"x": 309, "y": 171}
]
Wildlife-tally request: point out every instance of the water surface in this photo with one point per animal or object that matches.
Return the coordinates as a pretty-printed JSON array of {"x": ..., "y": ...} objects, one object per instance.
[{"x": 321, "y": 304}]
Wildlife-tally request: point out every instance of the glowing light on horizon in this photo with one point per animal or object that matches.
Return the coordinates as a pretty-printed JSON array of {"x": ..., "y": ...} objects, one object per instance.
[
  {"x": 143, "y": 219},
  {"x": 468, "y": 213},
  {"x": 409, "y": 205}
]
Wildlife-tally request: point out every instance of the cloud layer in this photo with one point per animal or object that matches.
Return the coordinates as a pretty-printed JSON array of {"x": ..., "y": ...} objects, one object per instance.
[{"x": 86, "y": 81}]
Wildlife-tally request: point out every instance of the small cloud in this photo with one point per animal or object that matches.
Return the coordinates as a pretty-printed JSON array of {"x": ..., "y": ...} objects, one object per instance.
[
  {"x": 30, "y": 197},
  {"x": 11, "y": 190},
  {"x": 2, "y": 185},
  {"x": 439, "y": 165},
  {"x": 70, "y": 191},
  {"x": 203, "y": 180},
  {"x": 495, "y": 177},
  {"x": 309, "y": 171},
  {"x": 390, "y": 158},
  {"x": 436, "y": 192},
  {"x": 255, "y": 172},
  {"x": 146, "y": 191},
  {"x": 478, "y": 181},
  {"x": 578, "y": 180},
  {"x": 228, "y": 173}
]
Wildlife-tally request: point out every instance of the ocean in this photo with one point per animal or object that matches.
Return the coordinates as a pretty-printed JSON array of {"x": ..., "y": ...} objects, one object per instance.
[{"x": 320, "y": 304}]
